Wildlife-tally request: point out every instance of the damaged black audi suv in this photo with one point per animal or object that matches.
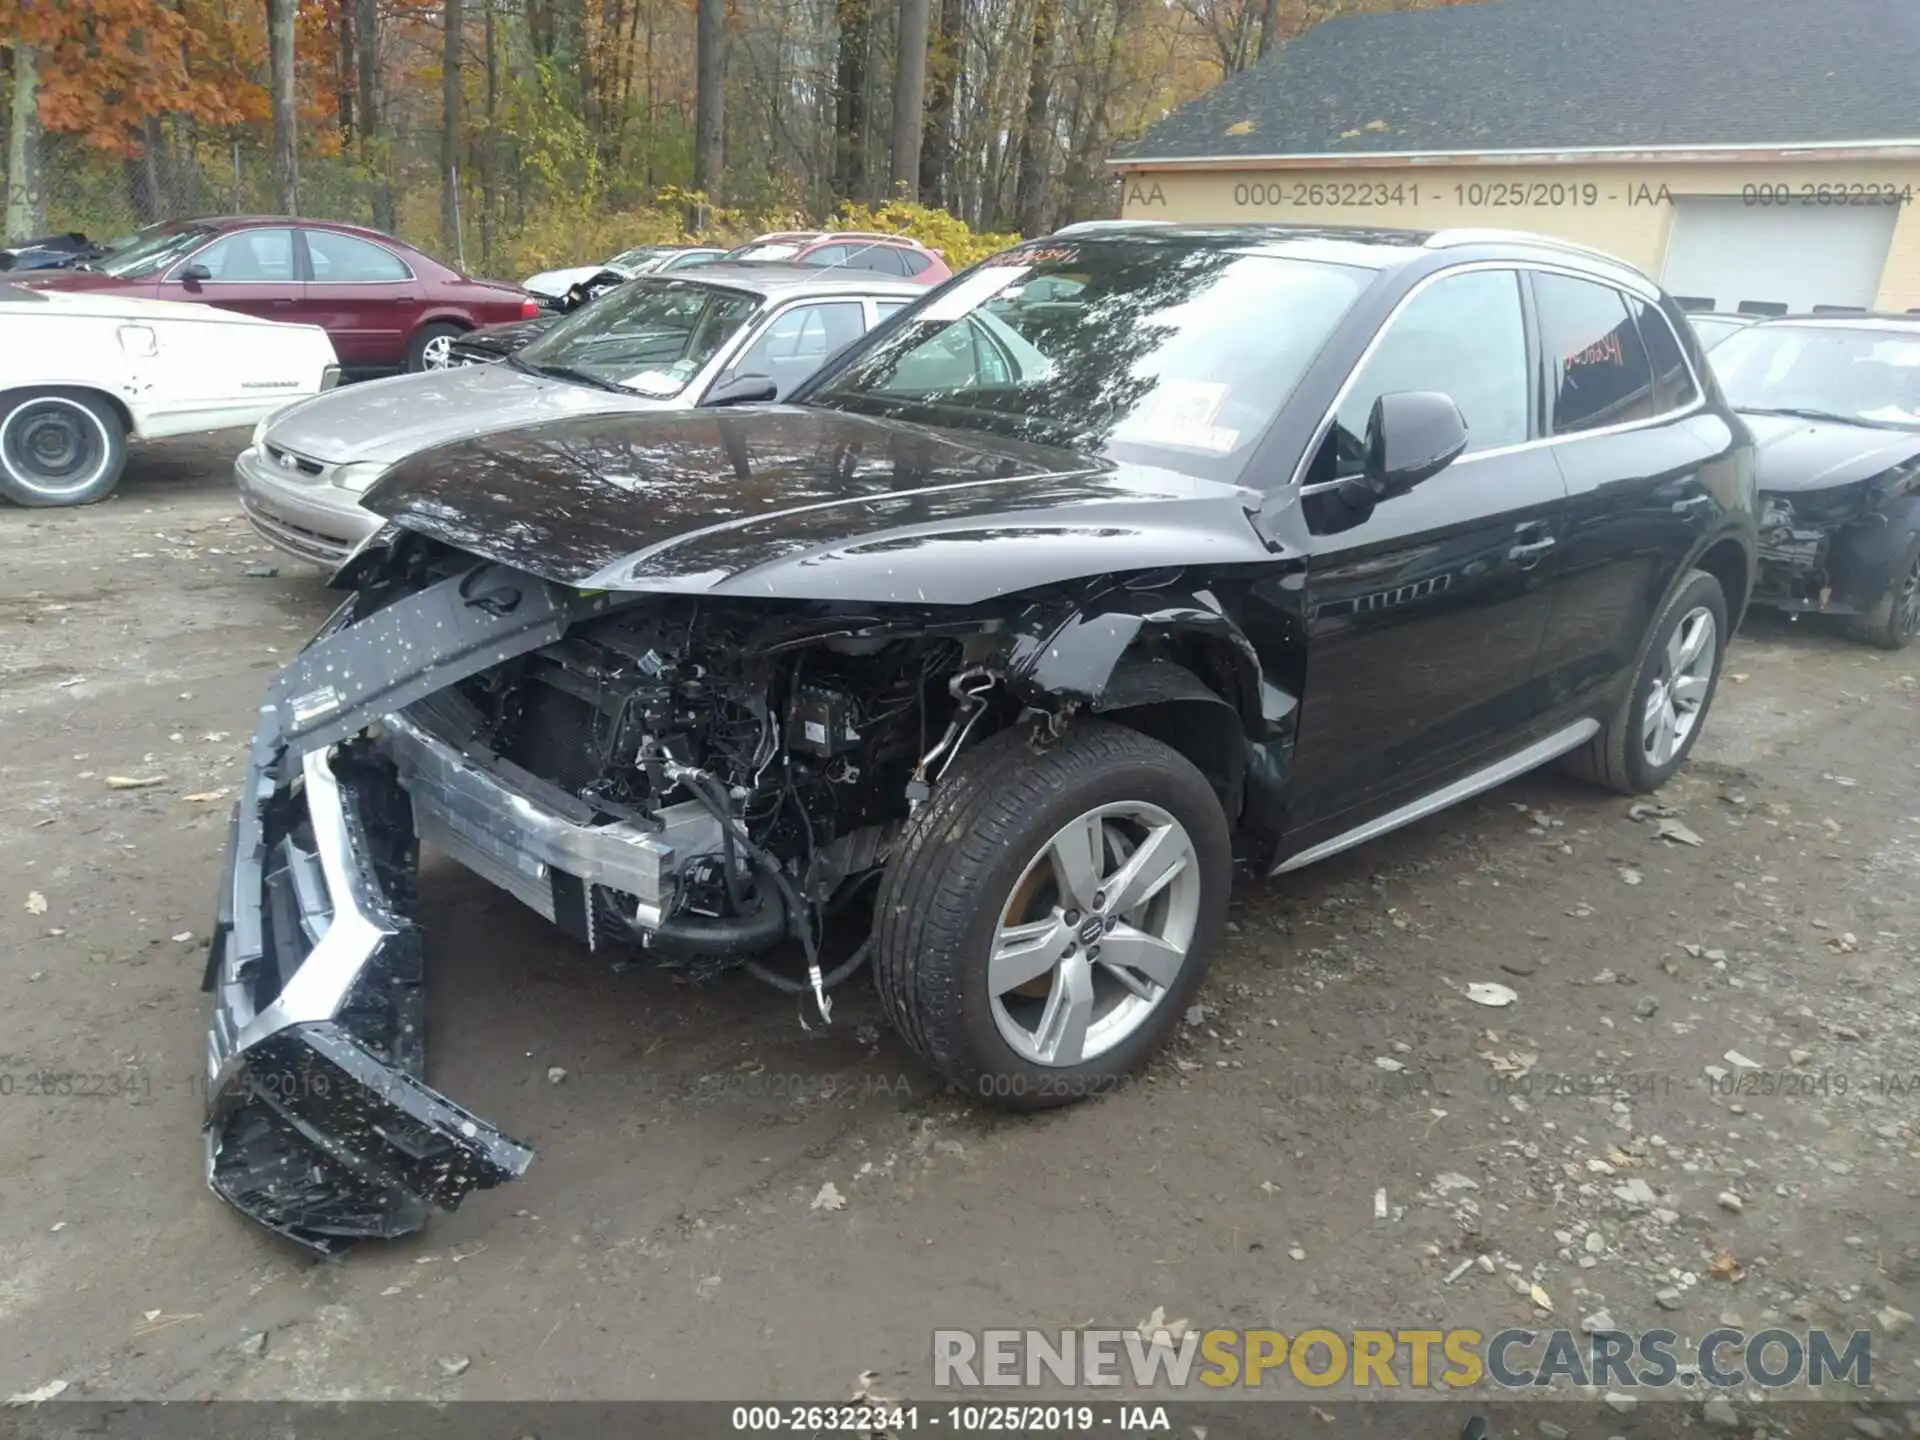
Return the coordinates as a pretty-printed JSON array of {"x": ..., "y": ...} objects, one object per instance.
[{"x": 1119, "y": 564}]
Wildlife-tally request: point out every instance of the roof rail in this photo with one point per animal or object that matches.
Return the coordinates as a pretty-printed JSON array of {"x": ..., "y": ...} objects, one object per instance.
[
  {"x": 1088, "y": 227},
  {"x": 1464, "y": 235}
]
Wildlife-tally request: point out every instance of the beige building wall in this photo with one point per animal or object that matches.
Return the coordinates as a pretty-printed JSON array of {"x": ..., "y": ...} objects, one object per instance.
[{"x": 1626, "y": 209}]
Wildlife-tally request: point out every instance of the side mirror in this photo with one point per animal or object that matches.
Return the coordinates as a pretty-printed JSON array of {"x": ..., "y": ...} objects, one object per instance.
[
  {"x": 743, "y": 390},
  {"x": 194, "y": 274},
  {"x": 1412, "y": 435}
]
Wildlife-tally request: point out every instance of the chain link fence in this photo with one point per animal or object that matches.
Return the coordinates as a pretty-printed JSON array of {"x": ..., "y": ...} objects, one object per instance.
[{"x": 395, "y": 188}]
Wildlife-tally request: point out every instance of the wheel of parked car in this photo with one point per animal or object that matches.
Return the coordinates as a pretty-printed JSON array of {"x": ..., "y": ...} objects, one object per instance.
[
  {"x": 1050, "y": 913},
  {"x": 1895, "y": 621},
  {"x": 1648, "y": 737},
  {"x": 432, "y": 347},
  {"x": 59, "y": 447}
]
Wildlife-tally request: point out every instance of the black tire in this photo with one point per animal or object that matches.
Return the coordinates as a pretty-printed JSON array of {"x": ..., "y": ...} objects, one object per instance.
[
  {"x": 1895, "y": 621},
  {"x": 426, "y": 340},
  {"x": 1616, "y": 757},
  {"x": 964, "y": 852},
  {"x": 59, "y": 447}
]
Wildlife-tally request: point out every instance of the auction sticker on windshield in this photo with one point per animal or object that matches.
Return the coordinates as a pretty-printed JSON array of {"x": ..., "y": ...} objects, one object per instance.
[{"x": 1181, "y": 413}]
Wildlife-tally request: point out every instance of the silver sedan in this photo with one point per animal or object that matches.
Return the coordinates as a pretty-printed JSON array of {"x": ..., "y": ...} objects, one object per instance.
[{"x": 727, "y": 332}]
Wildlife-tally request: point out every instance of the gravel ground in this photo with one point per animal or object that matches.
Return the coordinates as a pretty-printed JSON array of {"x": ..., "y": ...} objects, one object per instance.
[{"x": 1700, "y": 1108}]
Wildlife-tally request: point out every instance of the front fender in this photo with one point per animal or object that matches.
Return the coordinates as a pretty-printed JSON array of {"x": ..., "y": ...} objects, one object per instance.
[{"x": 1867, "y": 555}]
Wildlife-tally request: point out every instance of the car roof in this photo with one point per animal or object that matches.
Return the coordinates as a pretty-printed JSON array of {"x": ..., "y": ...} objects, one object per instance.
[
  {"x": 1373, "y": 247},
  {"x": 778, "y": 279},
  {"x": 1867, "y": 320},
  {"x": 255, "y": 222}
]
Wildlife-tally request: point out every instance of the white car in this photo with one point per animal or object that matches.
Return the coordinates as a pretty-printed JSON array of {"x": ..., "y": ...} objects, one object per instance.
[
  {"x": 81, "y": 374},
  {"x": 642, "y": 260}
]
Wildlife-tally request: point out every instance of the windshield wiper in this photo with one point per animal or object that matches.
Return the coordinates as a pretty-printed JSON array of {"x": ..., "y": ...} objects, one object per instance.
[
  {"x": 1799, "y": 412},
  {"x": 567, "y": 372}
]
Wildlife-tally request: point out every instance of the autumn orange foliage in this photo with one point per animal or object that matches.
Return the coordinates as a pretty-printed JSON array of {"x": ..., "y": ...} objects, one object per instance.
[{"x": 106, "y": 66}]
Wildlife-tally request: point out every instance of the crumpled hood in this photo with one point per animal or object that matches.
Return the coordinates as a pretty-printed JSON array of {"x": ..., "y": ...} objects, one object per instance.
[
  {"x": 804, "y": 504},
  {"x": 557, "y": 282},
  {"x": 1794, "y": 454},
  {"x": 381, "y": 421},
  {"x": 507, "y": 338}
]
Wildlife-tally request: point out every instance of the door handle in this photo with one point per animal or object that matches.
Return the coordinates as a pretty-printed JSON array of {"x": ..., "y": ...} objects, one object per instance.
[{"x": 1528, "y": 554}]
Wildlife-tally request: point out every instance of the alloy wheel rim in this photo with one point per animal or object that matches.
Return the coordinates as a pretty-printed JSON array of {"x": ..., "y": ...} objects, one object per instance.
[
  {"x": 1094, "y": 934},
  {"x": 53, "y": 447},
  {"x": 435, "y": 354},
  {"x": 1679, "y": 691}
]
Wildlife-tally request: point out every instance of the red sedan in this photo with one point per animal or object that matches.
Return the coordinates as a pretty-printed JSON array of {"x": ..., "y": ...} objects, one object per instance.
[
  {"x": 850, "y": 249},
  {"x": 386, "y": 305}
]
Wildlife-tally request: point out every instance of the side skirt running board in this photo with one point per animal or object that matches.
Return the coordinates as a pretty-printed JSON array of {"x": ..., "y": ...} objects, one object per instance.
[{"x": 1465, "y": 788}]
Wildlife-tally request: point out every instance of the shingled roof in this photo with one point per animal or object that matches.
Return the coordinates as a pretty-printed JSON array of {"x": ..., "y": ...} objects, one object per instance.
[{"x": 1567, "y": 75}]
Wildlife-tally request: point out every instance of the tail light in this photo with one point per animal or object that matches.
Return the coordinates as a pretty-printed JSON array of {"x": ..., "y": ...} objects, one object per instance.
[{"x": 529, "y": 309}]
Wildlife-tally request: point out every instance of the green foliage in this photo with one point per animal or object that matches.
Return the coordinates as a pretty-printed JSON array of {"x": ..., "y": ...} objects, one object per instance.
[{"x": 952, "y": 237}]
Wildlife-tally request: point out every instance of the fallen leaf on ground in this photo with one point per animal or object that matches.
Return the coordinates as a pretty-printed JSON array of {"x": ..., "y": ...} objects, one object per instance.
[
  {"x": 34, "y": 1397},
  {"x": 1629, "y": 876},
  {"x": 134, "y": 782},
  {"x": 829, "y": 1198},
  {"x": 36, "y": 903},
  {"x": 1482, "y": 992},
  {"x": 1724, "y": 1267},
  {"x": 1675, "y": 831},
  {"x": 204, "y": 797}
]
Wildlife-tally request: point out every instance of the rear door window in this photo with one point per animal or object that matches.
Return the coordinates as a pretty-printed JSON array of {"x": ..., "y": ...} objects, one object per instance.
[
  {"x": 799, "y": 339},
  {"x": 1673, "y": 387},
  {"x": 1598, "y": 373}
]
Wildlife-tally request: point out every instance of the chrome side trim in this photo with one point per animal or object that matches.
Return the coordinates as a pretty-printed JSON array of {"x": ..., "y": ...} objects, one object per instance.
[
  {"x": 1465, "y": 788},
  {"x": 1649, "y": 294}
]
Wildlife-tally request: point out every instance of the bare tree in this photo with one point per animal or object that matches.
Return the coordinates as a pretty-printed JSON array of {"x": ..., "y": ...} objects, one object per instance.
[
  {"x": 1030, "y": 188},
  {"x": 710, "y": 91},
  {"x": 1269, "y": 27},
  {"x": 850, "y": 99},
  {"x": 936, "y": 143},
  {"x": 909, "y": 97},
  {"x": 452, "y": 123},
  {"x": 286, "y": 135},
  {"x": 26, "y": 215}
]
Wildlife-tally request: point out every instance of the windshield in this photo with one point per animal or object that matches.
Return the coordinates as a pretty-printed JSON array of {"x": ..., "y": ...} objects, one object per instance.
[
  {"x": 639, "y": 255},
  {"x": 1160, "y": 354},
  {"x": 1713, "y": 329},
  {"x": 1862, "y": 376},
  {"x": 772, "y": 250},
  {"x": 649, "y": 336},
  {"x": 144, "y": 255}
]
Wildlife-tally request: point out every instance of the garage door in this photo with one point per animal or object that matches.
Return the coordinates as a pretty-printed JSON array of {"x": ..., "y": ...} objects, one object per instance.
[{"x": 1728, "y": 255}]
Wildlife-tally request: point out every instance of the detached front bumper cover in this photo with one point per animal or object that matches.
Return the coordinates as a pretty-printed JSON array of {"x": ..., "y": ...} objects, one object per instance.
[{"x": 319, "y": 1124}]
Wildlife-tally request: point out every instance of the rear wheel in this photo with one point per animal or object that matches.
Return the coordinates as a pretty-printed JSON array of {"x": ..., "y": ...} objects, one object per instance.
[
  {"x": 1049, "y": 916},
  {"x": 59, "y": 447},
  {"x": 1895, "y": 621},
  {"x": 432, "y": 347},
  {"x": 1649, "y": 736}
]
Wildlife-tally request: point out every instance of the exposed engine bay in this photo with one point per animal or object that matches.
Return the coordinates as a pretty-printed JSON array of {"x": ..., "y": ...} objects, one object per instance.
[{"x": 767, "y": 759}]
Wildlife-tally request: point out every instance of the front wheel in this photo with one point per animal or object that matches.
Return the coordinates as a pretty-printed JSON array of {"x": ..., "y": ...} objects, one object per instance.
[
  {"x": 1649, "y": 737},
  {"x": 432, "y": 347},
  {"x": 1050, "y": 914},
  {"x": 59, "y": 447}
]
